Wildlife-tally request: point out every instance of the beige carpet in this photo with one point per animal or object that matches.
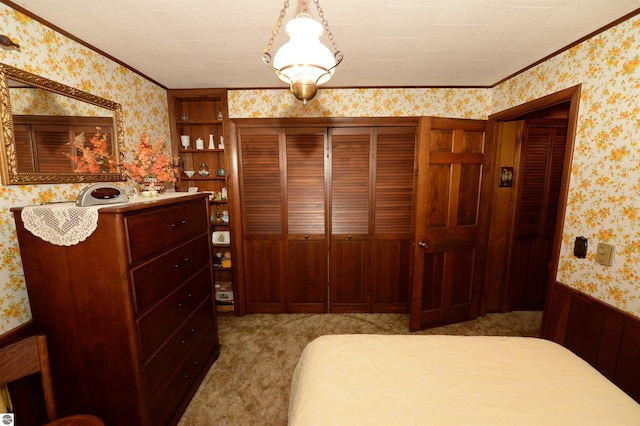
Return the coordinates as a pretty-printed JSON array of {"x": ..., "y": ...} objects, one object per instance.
[{"x": 249, "y": 383}]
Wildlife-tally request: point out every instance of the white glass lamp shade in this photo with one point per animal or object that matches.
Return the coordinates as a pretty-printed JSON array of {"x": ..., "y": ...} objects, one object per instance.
[{"x": 303, "y": 62}]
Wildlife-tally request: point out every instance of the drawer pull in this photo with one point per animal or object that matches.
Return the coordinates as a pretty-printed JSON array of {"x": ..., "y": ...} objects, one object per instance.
[
  {"x": 188, "y": 373},
  {"x": 186, "y": 339},
  {"x": 182, "y": 222},
  {"x": 184, "y": 262},
  {"x": 180, "y": 305}
]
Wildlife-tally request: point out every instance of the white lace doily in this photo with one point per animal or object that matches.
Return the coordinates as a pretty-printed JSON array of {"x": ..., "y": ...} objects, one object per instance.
[{"x": 61, "y": 224}]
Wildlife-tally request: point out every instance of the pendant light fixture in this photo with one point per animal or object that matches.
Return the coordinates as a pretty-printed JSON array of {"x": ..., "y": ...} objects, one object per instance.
[{"x": 303, "y": 62}]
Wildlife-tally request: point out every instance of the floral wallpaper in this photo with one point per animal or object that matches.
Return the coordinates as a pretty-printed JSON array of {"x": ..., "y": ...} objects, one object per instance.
[
  {"x": 41, "y": 102},
  {"x": 47, "y": 53},
  {"x": 604, "y": 196},
  {"x": 453, "y": 103},
  {"x": 604, "y": 192}
]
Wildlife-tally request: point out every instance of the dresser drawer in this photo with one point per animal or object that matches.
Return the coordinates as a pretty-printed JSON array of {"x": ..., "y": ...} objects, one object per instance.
[
  {"x": 152, "y": 231},
  {"x": 159, "y": 277},
  {"x": 157, "y": 325},
  {"x": 164, "y": 364},
  {"x": 183, "y": 375}
]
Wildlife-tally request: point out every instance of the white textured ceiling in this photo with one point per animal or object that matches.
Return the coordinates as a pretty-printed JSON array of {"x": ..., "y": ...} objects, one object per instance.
[{"x": 218, "y": 43}]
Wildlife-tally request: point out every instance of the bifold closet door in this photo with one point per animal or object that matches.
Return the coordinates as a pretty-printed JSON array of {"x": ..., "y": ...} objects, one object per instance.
[
  {"x": 350, "y": 195},
  {"x": 393, "y": 204},
  {"x": 306, "y": 248},
  {"x": 262, "y": 219},
  {"x": 327, "y": 218}
]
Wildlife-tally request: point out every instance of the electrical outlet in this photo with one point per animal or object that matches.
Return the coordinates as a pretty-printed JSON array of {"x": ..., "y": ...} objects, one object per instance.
[{"x": 580, "y": 247}]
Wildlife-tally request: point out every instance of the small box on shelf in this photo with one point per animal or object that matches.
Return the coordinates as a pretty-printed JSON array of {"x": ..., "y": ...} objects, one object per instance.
[
  {"x": 224, "y": 296},
  {"x": 220, "y": 238}
]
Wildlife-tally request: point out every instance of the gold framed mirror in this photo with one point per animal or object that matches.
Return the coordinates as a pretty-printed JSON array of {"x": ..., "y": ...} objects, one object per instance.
[{"x": 30, "y": 104}]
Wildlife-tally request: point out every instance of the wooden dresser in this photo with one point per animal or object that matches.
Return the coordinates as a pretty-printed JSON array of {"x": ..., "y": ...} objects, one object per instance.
[{"x": 128, "y": 313}]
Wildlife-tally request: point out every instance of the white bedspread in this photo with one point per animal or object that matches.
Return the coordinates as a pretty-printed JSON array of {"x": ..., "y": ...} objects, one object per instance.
[{"x": 451, "y": 380}]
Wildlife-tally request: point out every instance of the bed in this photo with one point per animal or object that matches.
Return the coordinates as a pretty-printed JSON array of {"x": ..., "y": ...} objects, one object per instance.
[{"x": 451, "y": 380}]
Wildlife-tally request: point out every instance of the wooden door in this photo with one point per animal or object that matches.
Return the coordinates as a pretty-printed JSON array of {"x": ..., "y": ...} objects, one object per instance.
[
  {"x": 451, "y": 213},
  {"x": 306, "y": 249},
  {"x": 261, "y": 190},
  {"x": 541, "y": 168},
  {"x": 350, "y": 219}
]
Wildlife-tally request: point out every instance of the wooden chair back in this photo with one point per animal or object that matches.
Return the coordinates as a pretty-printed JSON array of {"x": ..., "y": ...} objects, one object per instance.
[
  {"x": 29, "y": 356},
  {"x": 26, "y": 357}
]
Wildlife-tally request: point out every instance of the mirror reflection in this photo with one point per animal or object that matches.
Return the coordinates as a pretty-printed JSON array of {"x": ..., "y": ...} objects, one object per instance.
[{"x": 55, "y": 133}]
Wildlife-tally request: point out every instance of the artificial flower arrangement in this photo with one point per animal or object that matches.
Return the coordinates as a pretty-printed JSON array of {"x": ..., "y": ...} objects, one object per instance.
[
  {"x": 96, "y": 159},
  {"x": 150, "y": 162}
]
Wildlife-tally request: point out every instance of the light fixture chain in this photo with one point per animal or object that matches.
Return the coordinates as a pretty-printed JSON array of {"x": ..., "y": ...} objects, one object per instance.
[
  {"x": 275, "y": 30},
  {"x": 325, "y": 24}
]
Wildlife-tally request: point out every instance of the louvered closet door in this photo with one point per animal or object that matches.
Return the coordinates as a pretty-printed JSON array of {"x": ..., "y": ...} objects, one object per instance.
[
  {"x": 349, "y": 274},
  {"x": 24, "y": 148},
  {"x": 306, "y": 250},
  {"x": 393, "y": 218},
  {"x": 541, "y": 165},
  {"x": 52, "y": 143},
  {"x": 262, "y": 219}
]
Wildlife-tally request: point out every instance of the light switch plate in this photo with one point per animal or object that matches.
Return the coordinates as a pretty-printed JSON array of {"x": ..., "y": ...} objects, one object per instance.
[{"x": 604, "y": 254}]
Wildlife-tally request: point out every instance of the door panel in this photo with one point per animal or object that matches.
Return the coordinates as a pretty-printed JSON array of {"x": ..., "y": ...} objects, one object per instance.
[
  {"x": 305, "y": 181},
  {"x": 393, "y": 199},
  {"x": 350, "y": 197},
  {"x": 349, "y": 275},
  {"x": 307, "y": 275},
  {"x": 262, "y": 211},
  {"x": 261, "y": 181},
  {"x": 306, "y": 218},
  {"x": 394, "y": 181},
  {"x": 452, "y": 160},
  {"x": 391, "y": 274},
  {"x": 350, "y": 193},
  {"x": 264, "y": 277}
]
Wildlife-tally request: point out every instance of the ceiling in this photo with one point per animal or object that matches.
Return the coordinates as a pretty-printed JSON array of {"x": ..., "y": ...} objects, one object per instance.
[{"x": 386, "y": 43}]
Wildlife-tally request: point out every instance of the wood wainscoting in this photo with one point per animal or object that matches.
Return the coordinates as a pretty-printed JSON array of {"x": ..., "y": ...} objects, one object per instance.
[{"x": 602, "y": 335}]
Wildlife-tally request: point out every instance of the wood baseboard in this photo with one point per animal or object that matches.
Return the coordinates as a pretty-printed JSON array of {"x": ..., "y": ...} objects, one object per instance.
[{"x": 604, "y": 336}]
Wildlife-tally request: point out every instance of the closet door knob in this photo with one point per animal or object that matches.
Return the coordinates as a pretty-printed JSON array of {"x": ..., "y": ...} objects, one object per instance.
[{"x": 423, "y": 244}]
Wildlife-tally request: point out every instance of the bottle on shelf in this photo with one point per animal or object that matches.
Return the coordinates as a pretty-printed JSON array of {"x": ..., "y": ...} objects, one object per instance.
[{"x": 211, "y": 143}]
